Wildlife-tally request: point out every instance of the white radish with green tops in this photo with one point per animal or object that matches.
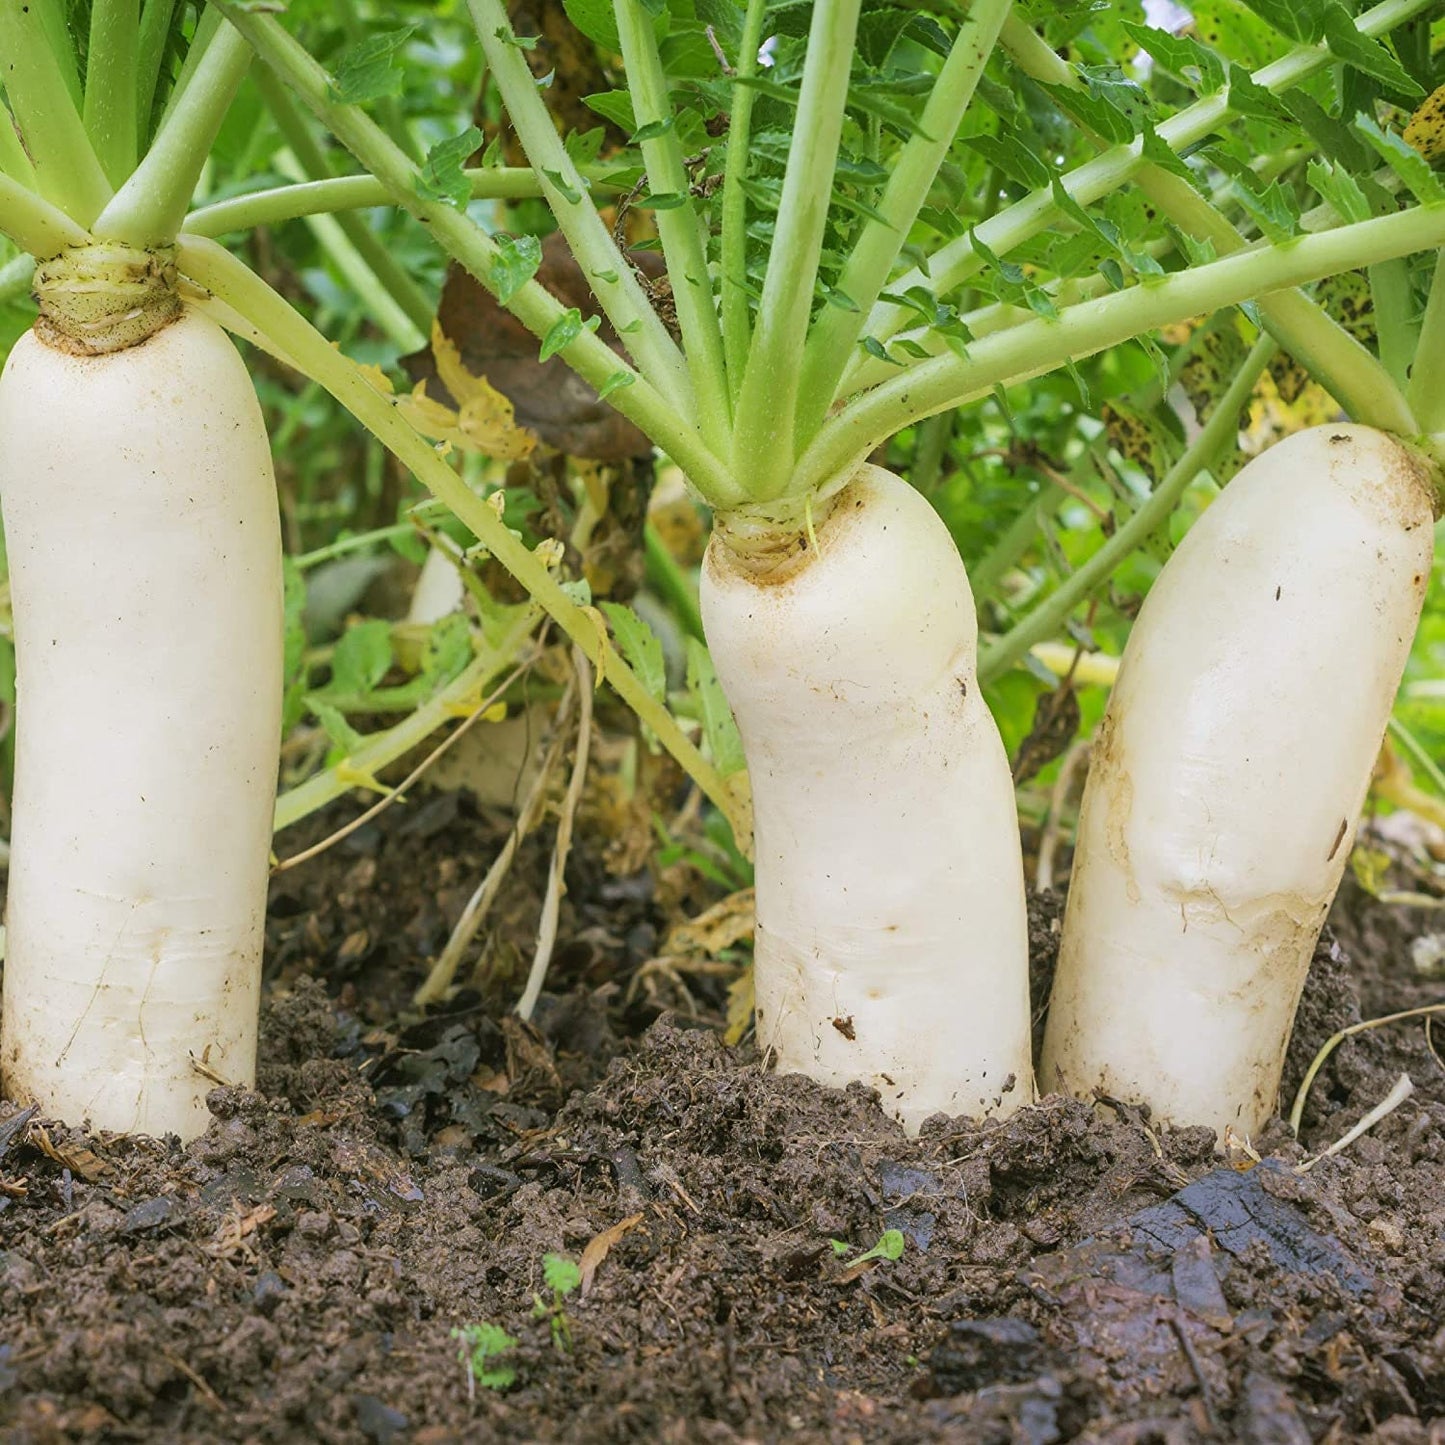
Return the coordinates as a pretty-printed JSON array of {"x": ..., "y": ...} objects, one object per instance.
[
  {"x": 1228, "y": 776},
  {"x": 892, "y": 942},
  {"x": 141, "y": 521}
]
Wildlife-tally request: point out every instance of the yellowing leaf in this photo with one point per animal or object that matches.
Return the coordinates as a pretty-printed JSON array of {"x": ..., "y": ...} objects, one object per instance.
[
  {"x": 727, "y": 922},
  {"x": 377, "y": 377},
  {"x": 355, "y": 777},
  {"x": 604, "y": 645},
  {"x": 740, "y": 1007},
  {"x": 1426, "y": 130},
  {"x": 484, "y": 421}
]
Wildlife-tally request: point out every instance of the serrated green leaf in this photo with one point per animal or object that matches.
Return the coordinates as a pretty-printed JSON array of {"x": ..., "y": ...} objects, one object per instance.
[
  {"x": 362, "y": 658},
  {"x": 639, "y": 644},
  {"x": 1298, "y": 19},
  {"x": 661, "y": 201},
  {"x": 1180, "y": 54},
  {"x": 1407, "y": 163},
  {"x": 1100, "y": 115},
  {"x": 1334, "y": 138},
  {"x": 718, "y": 725},
  {"x": 442, "y": 176},
  {"x": 447, "y": 650},
  {"x": 369, "y": 70},
  {"x": 560, "y": 1273},
  {"x": 1159, "y": 152},
  {"x": 518, "y": 258},
  {"x": 1366, "y": 53},
  {"x": 1248, "y": 98},
  {"x": 652, "y": 130},
  {"x": 1273, "y": 209},
  {"x": 517, "y": 42},
  {"x": 1338, "y": 188},
  {"x": 1013, "y": 158},
  {"x": 334, "y": 723}
]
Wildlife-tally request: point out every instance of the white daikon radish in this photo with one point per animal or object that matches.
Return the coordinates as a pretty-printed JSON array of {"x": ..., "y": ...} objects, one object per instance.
[
  {"x": 891, "y": 930},
  {"x": 1228, "y": 775},
  {"x": 141, "y": 519}
]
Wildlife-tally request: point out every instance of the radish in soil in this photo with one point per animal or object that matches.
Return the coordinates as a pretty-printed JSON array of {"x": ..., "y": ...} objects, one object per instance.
[
  {"x": 145, "y": 564},
  {"x": 890, "y": 893},
  {"x": 1228, "y": 776}
]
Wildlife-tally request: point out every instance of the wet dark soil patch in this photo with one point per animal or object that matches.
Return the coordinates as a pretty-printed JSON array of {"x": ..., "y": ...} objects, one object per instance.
[{"x": 298, "y": 1272}]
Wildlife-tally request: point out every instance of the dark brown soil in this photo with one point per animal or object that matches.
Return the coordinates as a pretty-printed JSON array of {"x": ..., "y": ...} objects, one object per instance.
[{"x": 296, "y": 1274}]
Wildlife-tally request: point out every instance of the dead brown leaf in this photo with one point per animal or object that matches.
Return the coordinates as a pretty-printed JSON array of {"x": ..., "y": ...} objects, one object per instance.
[
  {"x": 79, "y": 1160},
  {"x": 600, "y": 1246},
  {"x": 548, "y": 398}
]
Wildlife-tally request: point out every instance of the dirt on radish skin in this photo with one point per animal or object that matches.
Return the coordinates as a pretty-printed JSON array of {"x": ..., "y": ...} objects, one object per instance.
[{"x": 295, "y": 1273}]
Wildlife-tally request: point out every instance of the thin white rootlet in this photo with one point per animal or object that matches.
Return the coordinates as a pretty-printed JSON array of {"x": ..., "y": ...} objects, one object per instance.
[
  {"x": 140, "y": 515},
  {"x": 892, "y": 940},
  {"x": 1228, "y": 776}
]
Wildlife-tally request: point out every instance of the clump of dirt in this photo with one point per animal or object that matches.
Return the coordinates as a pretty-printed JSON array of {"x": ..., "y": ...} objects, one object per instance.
[{"x": 761, "y": 1258}]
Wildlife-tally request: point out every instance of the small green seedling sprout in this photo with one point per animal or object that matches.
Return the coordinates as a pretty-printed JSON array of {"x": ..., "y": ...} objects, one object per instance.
[
  {"x": 890, "y": 1246},
  {"x": 562, "y": 1277},
  {"x": 480, "y": 1347}
]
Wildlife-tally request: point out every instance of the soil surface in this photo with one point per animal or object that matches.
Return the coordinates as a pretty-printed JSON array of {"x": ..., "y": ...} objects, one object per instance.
[{"x": 297, "y": 1274}]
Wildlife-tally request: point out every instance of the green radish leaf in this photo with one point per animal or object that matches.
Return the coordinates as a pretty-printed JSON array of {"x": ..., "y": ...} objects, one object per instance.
[
  {"x": 876, "y": 350},
  {"x": 562, "y": 333},
  {"x": 564, "y": 187},
  {"x": 362, "y": 658},
  {"x": 1336, "y": 186},
  {"x": 718, "y": 725},
  {"x": 584, "y": 146},
  {"x": 661, "y": 201},
  {"x": 518, "y": 258},
  {"x": 1250, "y": 99},
  {"x": 594, "y": 18},
  {"x": 447, "y": 651},
  {"x": 346, "y": 738},
  {"x": 1404, "y": 160},
  {"x": 1273, "y": 209},
  {"x": 1013, "y": 158},
  {"x": 613, "y": 382},
  {"x": 1157, "y": 150},
  {"x": 639, "y": 644},
  {"x": 652, "y": 130},
  {"x": 1290, "y": 17},
  {"x": 1334, "y": 138},
  {"x": 1366, "y": 53},
  {"x": 442, "y": 176},
  {"x": 517, "y": 42},
  {"x": 1098, "y": 115},
  {"x": 613, "y": 105},
  {"x": 369, "y": 70},
  {"x": 561, "y": 1274},
  {"x": 1181, "y": 54}
]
